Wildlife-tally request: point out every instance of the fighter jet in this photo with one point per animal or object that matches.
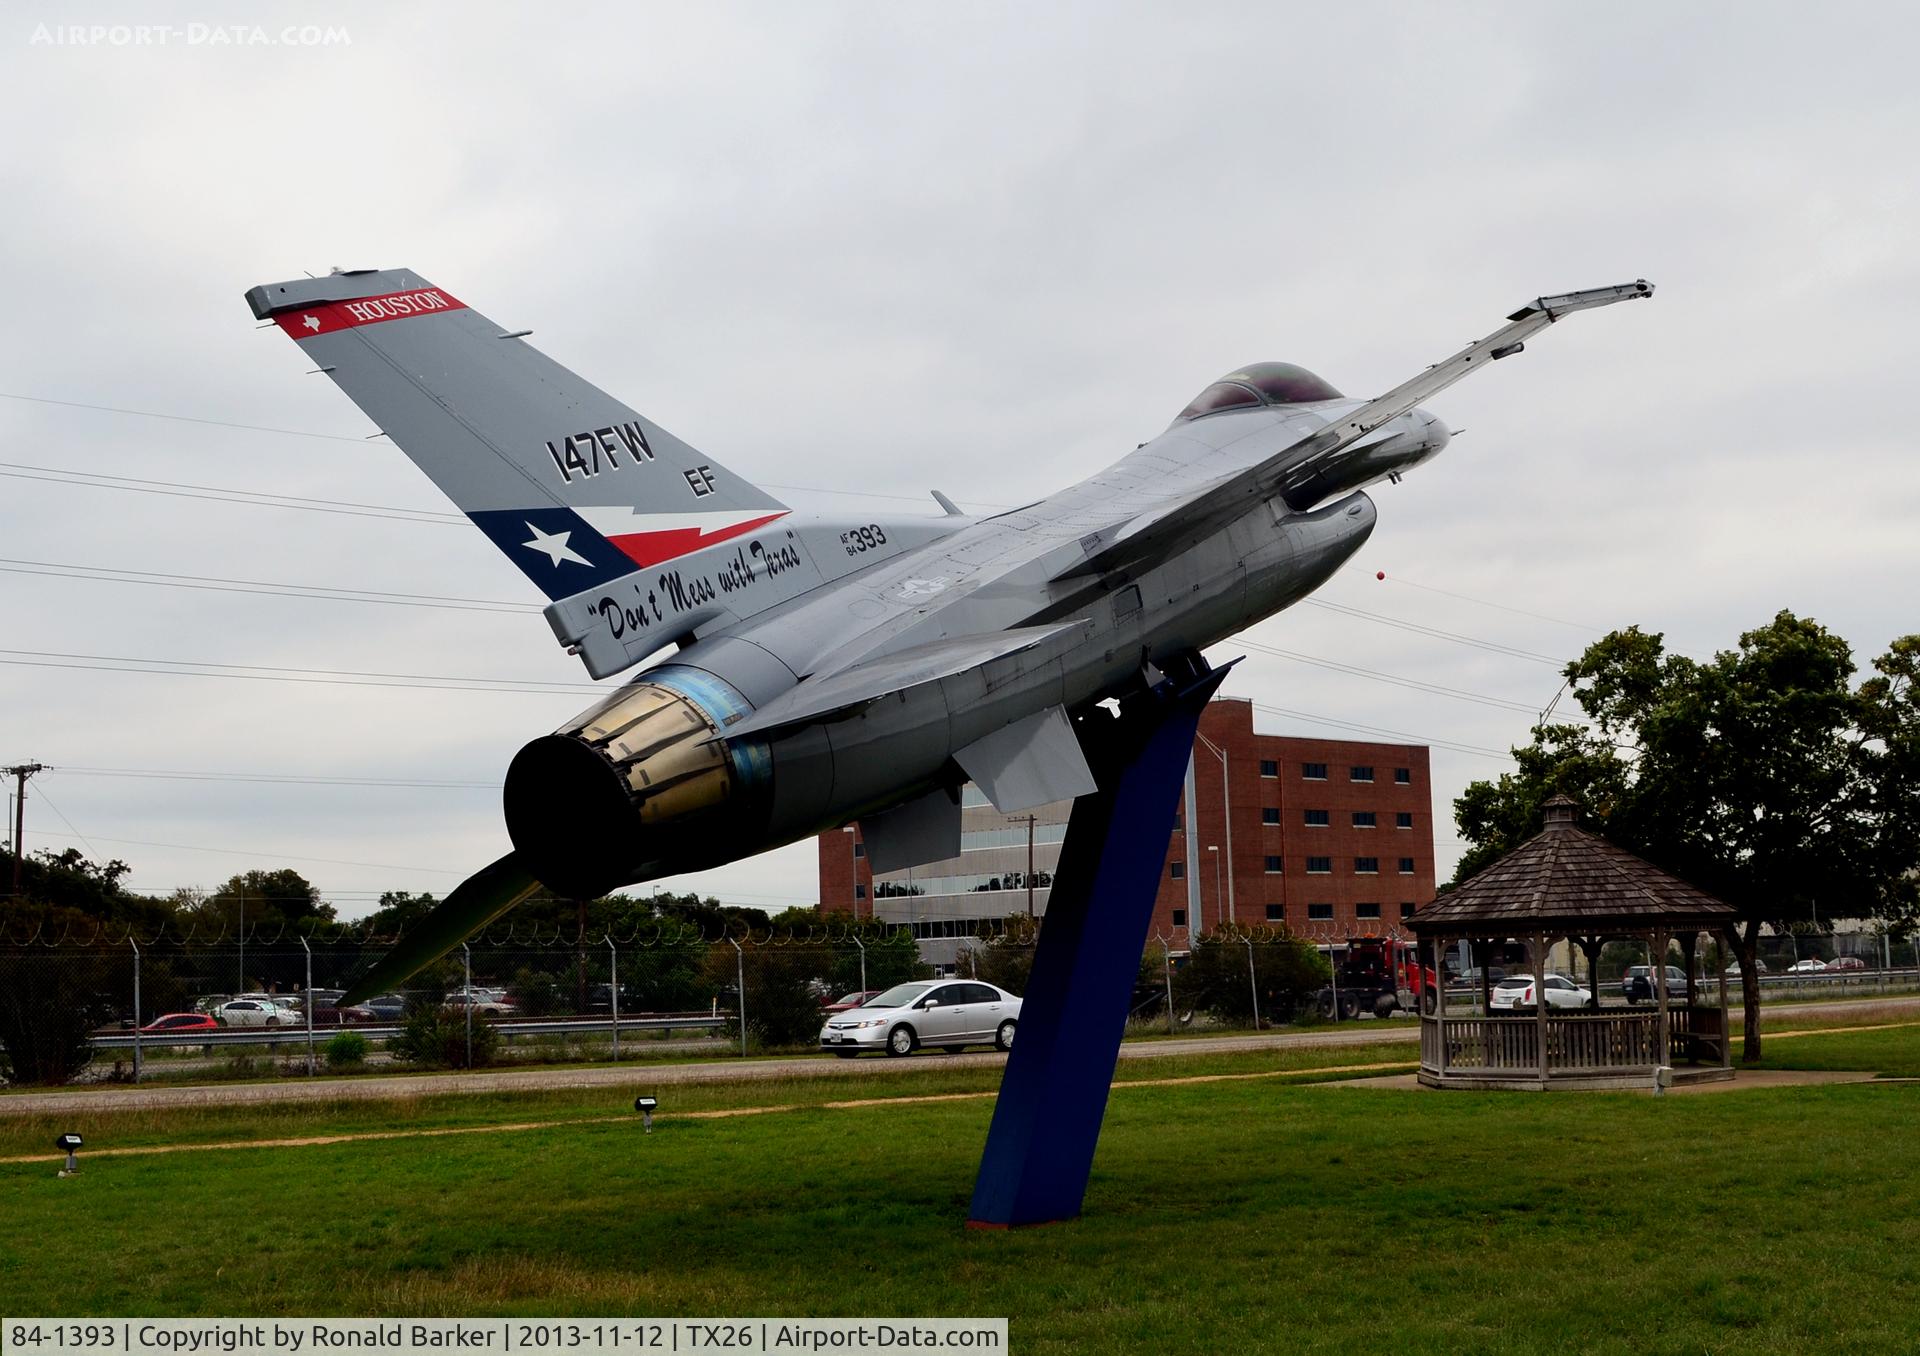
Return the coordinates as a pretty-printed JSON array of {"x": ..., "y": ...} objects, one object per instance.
[{"x": 819, "y": 670}]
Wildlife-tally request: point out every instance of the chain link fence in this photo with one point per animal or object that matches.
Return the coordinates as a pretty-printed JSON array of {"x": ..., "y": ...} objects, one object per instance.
[{"x": 140, "y": 1008}]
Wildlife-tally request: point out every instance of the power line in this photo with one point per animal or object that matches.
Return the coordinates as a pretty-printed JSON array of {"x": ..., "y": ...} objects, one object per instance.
[
  {"x": 1482, "y": 602},
  {"x": 268, "y": 854},
  {"x": 1313, "y": 719},
  {"x": 56, "y": 475},
  {"x": 1510, "y": 651},
  {"x": 273, "y": 588},
  {"x": 275, "y": 779},
  {"x": 52, "y": 659},
  {"x": 348, "y": 438},
  {"x": 1375, "y": 675},
  {"x": 64, "y": 820}
]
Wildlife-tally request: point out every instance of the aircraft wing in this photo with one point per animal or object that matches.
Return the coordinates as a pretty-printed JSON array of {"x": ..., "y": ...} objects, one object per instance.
[
  {"x": 1306, "y": 461},
  {"x": 822, "y": 696}
]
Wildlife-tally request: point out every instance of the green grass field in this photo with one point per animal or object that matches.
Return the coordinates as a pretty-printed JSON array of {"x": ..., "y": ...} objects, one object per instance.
[{"x": 1244, "y": 1214}]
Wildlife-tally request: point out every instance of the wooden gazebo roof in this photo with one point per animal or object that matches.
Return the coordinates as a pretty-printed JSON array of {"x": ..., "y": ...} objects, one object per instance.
[{"x": 1569, "y": 882}]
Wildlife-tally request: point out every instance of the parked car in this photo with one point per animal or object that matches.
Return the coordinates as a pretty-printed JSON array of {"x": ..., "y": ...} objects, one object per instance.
[
  {"x": 1638, "y": 984},
  {"x": 486, "y": 1002},
  {"x": 386, "y": 1007},
  {"x": 326, "y": 1012},
  {"x": 1810, "y": 966},
  {"x": 252, "y": 1012},
  {"x": 1846, "y": 963},
  {"x": 1495, "y": 973},
  {"x": 846, "y": 1002},
  {"x": 180, "y": 1021},
  {"x": 1759, "y": 966},
  {"x": 951, "y": 1014},
  {"x": 1517, "y": 991}
]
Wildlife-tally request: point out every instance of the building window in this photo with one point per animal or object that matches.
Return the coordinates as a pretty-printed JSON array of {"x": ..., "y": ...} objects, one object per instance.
[
  {"x": 1319, "y": 866},
  {"x": 1269, "y": 768},
  {"x": 1313, "y": 772},
  {"x": 859, "y": 892},
  {"x": 1359, "y": 774},
  {"x": 1318, "y": 819},
  {"x": 1406, "y": 866},
  {"x": 1406, "y": 908},
  {"x": 1270, "y": 814},
  {"x": 1179, "y": 918},
  {"x": 1402, "y": 776},
  {"x": 1366, "y": 866},
  {"x": 1177, "y": 870},
  {"x": 1274, "y": 866},
  {"x": 1365, "y": 819},
  {"x": 1319, "y": 913},
  {"x": 1403, "y": 819},
  {"x": 1276, "y": 913},
  {"x": 859, "y": 850},
  {"x": 1366, "y": 911}
]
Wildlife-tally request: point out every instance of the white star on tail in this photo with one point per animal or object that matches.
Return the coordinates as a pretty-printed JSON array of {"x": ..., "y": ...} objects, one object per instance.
[
  {"x": 555, "y": 545},
  {"x": 312, "y": 322}
]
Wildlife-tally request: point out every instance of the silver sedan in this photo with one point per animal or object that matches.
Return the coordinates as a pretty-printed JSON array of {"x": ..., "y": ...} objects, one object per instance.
[{"x": 951, "y": 1014}]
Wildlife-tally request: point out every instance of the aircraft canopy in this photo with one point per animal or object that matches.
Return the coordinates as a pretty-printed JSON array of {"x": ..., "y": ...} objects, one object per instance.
[{"x": 1260, "y": 384}]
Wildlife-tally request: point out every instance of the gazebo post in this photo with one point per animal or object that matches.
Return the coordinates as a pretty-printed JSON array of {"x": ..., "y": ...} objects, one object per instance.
[
  {"x": 1661, "y": 1055},
  {"x": 1540, "y": 1002},
  {"x": 1440, "y": 1008},
  {"x": 1727, "y": 1030},
  {"x": 1689, "y": 944}
]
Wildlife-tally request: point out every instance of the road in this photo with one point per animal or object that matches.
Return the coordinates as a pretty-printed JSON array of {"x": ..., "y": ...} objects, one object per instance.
[{"x": 1368, "y": 1031}]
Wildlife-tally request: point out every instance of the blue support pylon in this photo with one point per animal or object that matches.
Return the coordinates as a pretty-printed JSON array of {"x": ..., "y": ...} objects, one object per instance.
[{"x": 1053, "y": 1095}]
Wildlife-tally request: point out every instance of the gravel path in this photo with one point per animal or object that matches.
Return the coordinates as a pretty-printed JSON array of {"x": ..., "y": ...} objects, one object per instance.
[{"x": 118, "y": 1098}]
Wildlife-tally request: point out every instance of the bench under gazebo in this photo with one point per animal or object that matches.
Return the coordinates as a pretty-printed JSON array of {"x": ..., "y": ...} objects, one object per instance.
[{"x": 1566, "y": 883}]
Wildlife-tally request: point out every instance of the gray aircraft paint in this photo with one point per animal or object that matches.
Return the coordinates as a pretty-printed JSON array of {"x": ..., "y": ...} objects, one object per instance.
[{"x": 843, "y": 669}]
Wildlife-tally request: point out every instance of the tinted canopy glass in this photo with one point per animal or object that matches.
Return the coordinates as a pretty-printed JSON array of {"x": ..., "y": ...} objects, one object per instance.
[{"x": 1261, "y": 384}]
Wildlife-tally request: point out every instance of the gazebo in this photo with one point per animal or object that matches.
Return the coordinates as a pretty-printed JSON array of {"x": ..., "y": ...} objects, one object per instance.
[{"x": 1568, "y": 883}]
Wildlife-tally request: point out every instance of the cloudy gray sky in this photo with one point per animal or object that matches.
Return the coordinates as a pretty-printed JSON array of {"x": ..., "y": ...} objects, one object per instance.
[{"x": 883, "y": 248}]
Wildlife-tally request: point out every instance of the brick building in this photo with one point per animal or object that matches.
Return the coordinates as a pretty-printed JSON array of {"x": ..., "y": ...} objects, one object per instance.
[{"x": 1332, "y": 837}]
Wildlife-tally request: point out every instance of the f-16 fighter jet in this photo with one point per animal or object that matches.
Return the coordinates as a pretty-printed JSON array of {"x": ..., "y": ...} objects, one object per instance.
[{"x": 820, "y": 670}]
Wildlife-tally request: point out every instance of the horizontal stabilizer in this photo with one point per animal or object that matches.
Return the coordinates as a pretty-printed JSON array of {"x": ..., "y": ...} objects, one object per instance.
[
  {"x": 920, "y": 831},
  {"x": 1031, "y": 762},
  {"x": 474, "y": 903},
  {"x": 847, "y": 690}
]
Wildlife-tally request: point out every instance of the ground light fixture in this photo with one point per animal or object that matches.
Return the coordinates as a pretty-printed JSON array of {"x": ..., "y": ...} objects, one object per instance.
[
  {"x": 69, "y": 1144},
  {"x": 645, "y": 1106}
]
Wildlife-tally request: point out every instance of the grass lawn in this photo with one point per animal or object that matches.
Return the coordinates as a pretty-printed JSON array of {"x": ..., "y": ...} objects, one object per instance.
[{"x": 1244, "y": 1214}]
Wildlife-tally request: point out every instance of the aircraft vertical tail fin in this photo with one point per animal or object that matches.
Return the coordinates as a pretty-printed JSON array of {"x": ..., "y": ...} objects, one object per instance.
[{"x": 573, "y": 486}]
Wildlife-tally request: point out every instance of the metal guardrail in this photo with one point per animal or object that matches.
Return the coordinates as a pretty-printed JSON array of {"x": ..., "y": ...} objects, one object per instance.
[{"x": 297, "y": 1035}]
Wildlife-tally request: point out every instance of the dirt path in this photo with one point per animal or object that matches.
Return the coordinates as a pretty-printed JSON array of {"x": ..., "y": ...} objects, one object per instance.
[{"x": 1366, "y": 1032}]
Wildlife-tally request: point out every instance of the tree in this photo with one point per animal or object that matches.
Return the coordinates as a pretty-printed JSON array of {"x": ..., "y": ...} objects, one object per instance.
[
  {"x": 1216, "y": 981},
  {"x": 1762, "y": 776},
  {"x": 1005, "y": 957}
]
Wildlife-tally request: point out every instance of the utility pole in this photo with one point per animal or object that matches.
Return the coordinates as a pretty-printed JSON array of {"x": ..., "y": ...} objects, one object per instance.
[{"x": 20, "y": 772}]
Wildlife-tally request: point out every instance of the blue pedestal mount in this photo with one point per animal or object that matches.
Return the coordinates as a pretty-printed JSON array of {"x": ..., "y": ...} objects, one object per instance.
[{"x": 1053, "y": 1096}]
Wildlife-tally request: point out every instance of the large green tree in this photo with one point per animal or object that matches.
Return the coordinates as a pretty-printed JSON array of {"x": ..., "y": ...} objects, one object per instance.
[{"x": 1765, "y": 775}]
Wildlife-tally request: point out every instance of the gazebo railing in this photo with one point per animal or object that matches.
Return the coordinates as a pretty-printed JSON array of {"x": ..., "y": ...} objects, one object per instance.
[{"x": 1577, "y": 1042}]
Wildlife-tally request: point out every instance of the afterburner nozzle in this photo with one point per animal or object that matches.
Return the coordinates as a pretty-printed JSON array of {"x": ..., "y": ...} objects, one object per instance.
[{"x": 639, "y": 779}]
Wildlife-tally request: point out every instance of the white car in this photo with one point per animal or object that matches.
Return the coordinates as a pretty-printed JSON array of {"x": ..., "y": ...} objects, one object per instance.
[
  {"x": 1517, "y": 991},
  {"x": 1809, "y": 966},
  {"x": 951, "y": 1013},
  {"x": 486, "y": 1002},
  {"x": 252, "y": 1012}
]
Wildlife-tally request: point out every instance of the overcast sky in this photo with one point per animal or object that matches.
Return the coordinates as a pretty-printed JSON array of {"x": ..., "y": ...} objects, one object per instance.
[{"x": 887, "y": 248}]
